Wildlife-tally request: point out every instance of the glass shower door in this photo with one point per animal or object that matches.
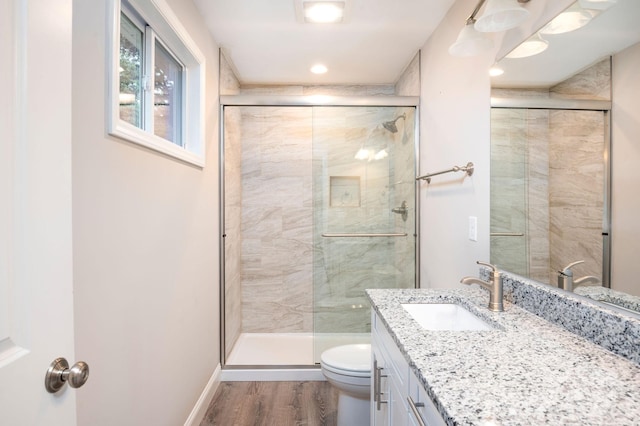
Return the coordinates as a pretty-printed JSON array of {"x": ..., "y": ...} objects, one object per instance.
[
  {"x": 509, "y": 153},
  {"x": 364, "y": 215}
]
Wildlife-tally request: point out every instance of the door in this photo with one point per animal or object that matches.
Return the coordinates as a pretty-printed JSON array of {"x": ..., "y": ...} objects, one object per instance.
[{"x": 36, "y": 299}]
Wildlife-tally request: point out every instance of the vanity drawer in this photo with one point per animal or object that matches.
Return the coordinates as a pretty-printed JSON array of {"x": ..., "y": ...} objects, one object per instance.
[{"x": 423, "y": 405}]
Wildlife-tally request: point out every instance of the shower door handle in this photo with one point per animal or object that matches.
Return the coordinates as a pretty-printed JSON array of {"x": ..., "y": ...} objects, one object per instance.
[
  {"x": 507, "y": 234},
  {"x": 346, "y": 235}
]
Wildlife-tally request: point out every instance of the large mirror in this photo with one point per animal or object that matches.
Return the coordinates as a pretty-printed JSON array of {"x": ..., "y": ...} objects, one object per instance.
[{"x": 556, "y": 118}]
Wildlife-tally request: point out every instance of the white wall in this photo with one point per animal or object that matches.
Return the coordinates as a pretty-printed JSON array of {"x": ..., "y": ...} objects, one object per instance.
[
  {"x": 454, "y": 129},
  {"x": 145, "y": 250},
  {"x": 625, "y": 157}
]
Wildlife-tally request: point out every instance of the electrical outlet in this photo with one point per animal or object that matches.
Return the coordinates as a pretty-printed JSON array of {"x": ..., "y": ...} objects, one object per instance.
[{"x": 473, "y": 228}]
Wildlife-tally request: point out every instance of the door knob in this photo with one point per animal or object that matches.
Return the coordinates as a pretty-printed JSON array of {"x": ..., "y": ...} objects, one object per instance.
[{"x": 59, "y": 373}]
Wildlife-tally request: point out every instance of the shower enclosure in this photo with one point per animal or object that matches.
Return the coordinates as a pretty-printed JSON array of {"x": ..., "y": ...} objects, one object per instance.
[{"x": 319, "y": 205}]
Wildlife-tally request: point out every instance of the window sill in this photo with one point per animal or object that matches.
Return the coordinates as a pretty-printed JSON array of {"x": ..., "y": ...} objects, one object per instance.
[{"x": 129, "y": 133}]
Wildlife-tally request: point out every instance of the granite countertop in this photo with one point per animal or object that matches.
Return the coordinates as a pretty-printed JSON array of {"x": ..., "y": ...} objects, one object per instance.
[
  {"x": 608, "y": 295},
  {"x": 527, "y": 371}
]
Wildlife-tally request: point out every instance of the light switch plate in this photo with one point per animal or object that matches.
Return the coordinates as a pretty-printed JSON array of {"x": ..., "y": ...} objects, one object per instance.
[{"x": 473, "y": 228}]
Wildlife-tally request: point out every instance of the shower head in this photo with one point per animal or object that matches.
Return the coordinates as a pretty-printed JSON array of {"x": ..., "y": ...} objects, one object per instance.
[{"x": 391, "y": 125}]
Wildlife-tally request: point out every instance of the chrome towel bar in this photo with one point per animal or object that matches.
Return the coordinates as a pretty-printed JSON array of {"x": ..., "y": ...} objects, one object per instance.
[
  {"x": 507, "y": 234},
  {"x": 468, "y": 169}
]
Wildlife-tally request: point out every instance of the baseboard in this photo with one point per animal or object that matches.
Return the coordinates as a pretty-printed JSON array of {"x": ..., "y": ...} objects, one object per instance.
[
  {"x": 272, "y": 375},
  {"x": 200, "y": 409}
]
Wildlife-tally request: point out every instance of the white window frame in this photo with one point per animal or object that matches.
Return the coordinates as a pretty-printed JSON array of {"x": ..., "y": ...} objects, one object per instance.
[{"x": 171, "y": 33}]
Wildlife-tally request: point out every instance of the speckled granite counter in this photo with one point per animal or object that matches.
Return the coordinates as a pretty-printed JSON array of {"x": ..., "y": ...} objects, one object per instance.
[
  {"x": 527, "y": 371},
  {"x": 608, "y": 295}
]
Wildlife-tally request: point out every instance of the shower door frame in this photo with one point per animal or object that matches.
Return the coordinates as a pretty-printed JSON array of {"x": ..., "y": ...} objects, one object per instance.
[
  {"x": 579, "y": 105},
  {"x": 302, "y": 101}
]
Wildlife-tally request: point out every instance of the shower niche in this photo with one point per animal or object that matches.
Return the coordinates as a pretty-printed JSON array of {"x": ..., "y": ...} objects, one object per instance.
[
  {"x": 345, "y": 191},
  {"x": 309, "y": 194}
]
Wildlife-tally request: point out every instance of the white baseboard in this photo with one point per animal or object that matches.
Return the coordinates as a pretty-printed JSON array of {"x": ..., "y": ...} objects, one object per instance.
[
  {"x": 200, "y": 409},
  {"x": 272, "y": 375}
]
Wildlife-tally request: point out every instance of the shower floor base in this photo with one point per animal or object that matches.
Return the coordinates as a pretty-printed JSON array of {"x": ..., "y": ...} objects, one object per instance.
[{"x": 288, "y": 349}]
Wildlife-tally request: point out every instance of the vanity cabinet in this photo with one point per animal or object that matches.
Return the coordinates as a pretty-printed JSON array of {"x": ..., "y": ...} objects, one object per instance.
[{"x": 397, "y": 397}]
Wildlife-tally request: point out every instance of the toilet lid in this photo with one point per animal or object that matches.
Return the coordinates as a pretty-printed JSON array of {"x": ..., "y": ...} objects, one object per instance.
[{"x": 353, "y": 358}]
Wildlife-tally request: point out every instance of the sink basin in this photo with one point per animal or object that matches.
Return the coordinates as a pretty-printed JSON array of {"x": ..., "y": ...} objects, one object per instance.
[{"x": 445, "y": 316}]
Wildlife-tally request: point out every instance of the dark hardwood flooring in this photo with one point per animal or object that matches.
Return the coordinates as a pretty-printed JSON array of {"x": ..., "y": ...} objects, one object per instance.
[{"x": 273, "y": 404}]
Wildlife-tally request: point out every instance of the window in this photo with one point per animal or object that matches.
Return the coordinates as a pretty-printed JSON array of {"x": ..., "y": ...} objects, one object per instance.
[{"x": 157, "y": 81}]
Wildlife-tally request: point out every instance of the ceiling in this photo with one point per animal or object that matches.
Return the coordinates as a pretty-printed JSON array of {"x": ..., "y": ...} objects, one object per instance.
[{"x": 268, "y": 44}]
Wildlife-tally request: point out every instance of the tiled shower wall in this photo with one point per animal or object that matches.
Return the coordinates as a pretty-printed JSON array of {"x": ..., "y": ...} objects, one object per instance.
[
  {"x": 262, "y": 293},
  {"x": 229, "y": 85},
  {"x": 277, "y": 218},
  {"x": 556, "y": 198}
]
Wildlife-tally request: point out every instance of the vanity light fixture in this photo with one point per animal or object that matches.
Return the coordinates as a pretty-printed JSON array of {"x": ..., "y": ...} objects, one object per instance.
[
  {"x": 499, "y": 15},
  {"x": 502, "y": 15},
  {"x": 574, "y": 17},
  {"x": 470, "y": 42},
  {"x": 530, "y": 47},
  {"x": 323, "y": 12}
]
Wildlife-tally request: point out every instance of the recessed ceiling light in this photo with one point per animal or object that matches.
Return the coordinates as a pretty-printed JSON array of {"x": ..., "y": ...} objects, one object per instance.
[
  {"x": 323, "y": 12},
  {"x": 319, "y": 69}
]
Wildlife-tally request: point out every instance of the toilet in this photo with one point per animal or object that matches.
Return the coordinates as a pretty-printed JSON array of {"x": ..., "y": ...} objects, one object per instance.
[{"x": 348, "y": 368}]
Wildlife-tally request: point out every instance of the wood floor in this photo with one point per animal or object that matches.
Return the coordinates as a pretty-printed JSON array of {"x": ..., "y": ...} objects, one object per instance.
[{"x": 273, "y": 404}]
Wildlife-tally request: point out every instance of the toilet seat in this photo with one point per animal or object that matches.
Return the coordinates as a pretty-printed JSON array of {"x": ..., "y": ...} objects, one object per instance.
[{"x": 348, "y": 360}]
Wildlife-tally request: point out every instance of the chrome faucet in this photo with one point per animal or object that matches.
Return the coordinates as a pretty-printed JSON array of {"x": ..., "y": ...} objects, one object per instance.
[
  {"x": 494, "y": 287},
  {"x": 566, "y": 281}
]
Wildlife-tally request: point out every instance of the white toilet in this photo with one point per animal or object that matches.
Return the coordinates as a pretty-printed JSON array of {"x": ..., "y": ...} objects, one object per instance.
[{"x": 348, "y": 368}]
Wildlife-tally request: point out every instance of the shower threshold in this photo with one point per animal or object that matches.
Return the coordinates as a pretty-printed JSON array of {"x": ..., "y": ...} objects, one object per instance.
[
  {"x": 282, "y": 356},
  {"x": 287, "y": 349}
]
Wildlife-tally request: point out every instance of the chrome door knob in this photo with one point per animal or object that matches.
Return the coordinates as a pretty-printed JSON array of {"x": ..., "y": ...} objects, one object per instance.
[{"x": 59, "y": 373}]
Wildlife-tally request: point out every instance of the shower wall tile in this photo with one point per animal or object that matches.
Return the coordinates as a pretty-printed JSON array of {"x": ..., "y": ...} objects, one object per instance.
[
  {"x": 229, "y": 84},
  {"x": 537, "y": 125},
  {"x": 576, "y": 182},
  {"x": 592, "y": 83},
  {"x": 271, "y": 90},
  {"x": 233, "y": 227},
  {"x": 327, "y": 90},
  {"x": 409, "y": 82},
  {"x": 276, "y": 220},
  {"x": 497, "y": 92}
]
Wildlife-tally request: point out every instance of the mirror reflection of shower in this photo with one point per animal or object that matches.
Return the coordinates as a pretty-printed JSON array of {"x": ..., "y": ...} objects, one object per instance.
[{"x": 374, "y": 146}]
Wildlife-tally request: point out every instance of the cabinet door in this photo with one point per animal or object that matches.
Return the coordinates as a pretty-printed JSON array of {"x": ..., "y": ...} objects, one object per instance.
[
  {"x": 397, "y": 402},
  {"x": 380, "y": 390}
]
